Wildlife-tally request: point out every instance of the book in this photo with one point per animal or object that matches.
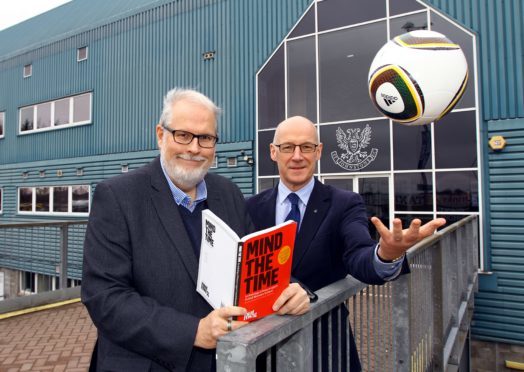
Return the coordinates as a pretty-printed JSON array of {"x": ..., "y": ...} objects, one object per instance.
[{"x": 249, "y": 272}]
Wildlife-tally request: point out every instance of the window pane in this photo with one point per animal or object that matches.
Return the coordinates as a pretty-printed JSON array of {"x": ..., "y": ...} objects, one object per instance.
[
  {"x": 408, "y": 23},
  {"x": 306, "y": 24},
  {"x": 465, "y": 41},
  {"x": 302, "y": 81},
  {"x": 411, "y": 146},
  {"x": 266, "y": 166},
  {"x": 457, "y": 191},
  {"x": 340, "y": 183},
  {"x": 43, "y": 115},
  {"x": 62, "y": 111},
  {"x": 25, "y": 202},
  {"x": 82, "y": 53},
  {"x": 344, "y": 65},
  {"x": 60, "y": 198},
  {"x": 42, "y": 199},
  {"x": 452, "y": 218},
  {"x": 81, "y": 108},
  {"x": 403, "y": 6},
  {"x": 456, "y": 141},
  {"x": 375, "y": 192},
  {"x": 26, "y": 118},
  {"x": 355, "y": 147},
  {"x": 80, "y": 199},
  {"x": 266, "y": 183},
  {"x": 338, "y": 13},
  {"x": 271, "y": 92},
  {"x": 1, "y": 124},
  {"x": 413, "y": 192}
]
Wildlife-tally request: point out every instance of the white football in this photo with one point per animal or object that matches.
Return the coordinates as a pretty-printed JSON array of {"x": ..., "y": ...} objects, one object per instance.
[{"x": 417, "y": 77}]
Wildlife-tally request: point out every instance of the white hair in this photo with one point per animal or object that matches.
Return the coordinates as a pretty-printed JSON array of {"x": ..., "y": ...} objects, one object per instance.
[{"x": 178, "y": 94}]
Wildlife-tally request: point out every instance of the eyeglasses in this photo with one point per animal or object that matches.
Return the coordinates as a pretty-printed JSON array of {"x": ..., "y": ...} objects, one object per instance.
[
  {"x": 289, "y": 148},
  {"x": 185, "y": 138}
]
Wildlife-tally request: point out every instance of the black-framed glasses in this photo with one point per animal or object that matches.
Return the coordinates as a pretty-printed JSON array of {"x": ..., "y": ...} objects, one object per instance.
[
  {"x": 289, "y": 148},
  {"x": 185, "y": 138}
]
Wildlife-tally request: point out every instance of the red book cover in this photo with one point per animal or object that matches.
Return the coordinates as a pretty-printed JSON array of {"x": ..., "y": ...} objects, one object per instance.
[
  {"x": 264, "y": 269},
  {"x": 250, "y": 272}
]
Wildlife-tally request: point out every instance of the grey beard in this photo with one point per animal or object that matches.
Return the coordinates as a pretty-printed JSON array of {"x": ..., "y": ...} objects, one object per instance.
[{"x": 184, "y": 178}]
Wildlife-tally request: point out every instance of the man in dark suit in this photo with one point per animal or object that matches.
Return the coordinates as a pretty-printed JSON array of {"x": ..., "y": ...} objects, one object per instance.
[
  {"x": 142, "y": 246},
  {"x": 333, "y": 238}
]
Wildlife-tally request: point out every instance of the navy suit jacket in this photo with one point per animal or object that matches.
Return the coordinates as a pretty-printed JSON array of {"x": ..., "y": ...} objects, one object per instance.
[
  {"x": 333, "y": 239},
  {"x": 140, "y": 271}
]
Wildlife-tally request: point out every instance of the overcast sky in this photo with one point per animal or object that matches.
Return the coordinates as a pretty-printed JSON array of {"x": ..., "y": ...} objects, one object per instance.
[{"x": 16, "y": 11}]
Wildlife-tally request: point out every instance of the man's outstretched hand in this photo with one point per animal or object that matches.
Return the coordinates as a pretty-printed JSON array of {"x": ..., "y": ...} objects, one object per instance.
[{"x": 395, "y": 242}]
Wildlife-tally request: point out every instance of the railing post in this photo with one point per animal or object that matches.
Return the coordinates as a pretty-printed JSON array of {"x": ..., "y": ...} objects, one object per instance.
[
  {"x": 401, "y": 327},
  {"x": 233, "y": 357},
  {"x": 296, "y": 352},
  {"x": 64, "y": 241},
  {"x": 438, "y": 307}
]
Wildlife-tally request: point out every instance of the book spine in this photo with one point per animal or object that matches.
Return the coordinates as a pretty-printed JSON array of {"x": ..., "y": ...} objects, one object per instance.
[{"x": 237, "y": 273}]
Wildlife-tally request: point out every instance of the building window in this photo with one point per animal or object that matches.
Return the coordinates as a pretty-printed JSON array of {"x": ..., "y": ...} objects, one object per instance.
[
  {"x": 124, "y": 168},
  {"x": 27, "y": 283},
  {"x": 320, "y": 71},
  {"x": 28, "y": 70},
  {"x": 81, "y": 54},
  {"x": 71, "y": 200},
  {"x": 57, "y": 114},
  {"x": 215, "y": 162},
  {"x": 2, "y": 119},
  {"x": 232, "y": 162}
]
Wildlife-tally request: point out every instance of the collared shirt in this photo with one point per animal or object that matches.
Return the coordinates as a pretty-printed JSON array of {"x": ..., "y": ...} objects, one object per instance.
[
  {"x": 283, "y": 205},
  {"x": 387, "y": 271},
  {"x": 181, "y": 198}
]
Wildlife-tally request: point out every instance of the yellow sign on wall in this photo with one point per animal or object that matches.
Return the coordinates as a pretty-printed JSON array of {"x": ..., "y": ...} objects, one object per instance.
[{"x": 497, "y": 143}]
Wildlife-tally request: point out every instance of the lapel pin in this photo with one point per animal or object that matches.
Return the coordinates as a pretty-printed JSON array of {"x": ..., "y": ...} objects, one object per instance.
[{"x": 315, "y": 210}]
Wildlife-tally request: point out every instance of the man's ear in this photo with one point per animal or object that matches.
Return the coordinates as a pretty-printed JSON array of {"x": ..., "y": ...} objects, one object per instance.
[
  {"x": 319, "y": 150},
  {"x": 273, "y": 152},
  {"x": 159, "y": 134}
]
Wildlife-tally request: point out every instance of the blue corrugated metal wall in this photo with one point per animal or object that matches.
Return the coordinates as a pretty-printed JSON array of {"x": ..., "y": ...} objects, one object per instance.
[
  {"x": 499, "y": 305},
  {"x": 133, "y": 62},
  {"x": 499, "y": 25}
]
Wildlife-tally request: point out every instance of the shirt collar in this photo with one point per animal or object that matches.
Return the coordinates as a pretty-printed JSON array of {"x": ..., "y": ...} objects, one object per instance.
[
  {"x": 181, "y": 198},
  {"x": 303, "y": 194}
]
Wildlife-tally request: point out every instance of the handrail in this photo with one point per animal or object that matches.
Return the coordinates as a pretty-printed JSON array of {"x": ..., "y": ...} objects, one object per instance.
[{"x": 417, "y": 322}]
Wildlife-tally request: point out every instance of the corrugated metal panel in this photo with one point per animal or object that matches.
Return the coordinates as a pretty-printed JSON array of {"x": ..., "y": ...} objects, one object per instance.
[
  {"x": 133, "y": 62},
  {"x": 499, "y": 25},
  {"x": 39, "y": 251},
  {"x": 499, "y": 313}
]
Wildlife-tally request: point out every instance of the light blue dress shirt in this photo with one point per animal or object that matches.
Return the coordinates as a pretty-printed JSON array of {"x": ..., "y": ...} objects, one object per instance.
[{"x": 387, "y": 271}]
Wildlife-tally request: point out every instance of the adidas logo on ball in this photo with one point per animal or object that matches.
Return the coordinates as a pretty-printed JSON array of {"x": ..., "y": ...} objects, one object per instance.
[
  {"x": 389, "y": 99},
  {"x": 418, "y": 77}
]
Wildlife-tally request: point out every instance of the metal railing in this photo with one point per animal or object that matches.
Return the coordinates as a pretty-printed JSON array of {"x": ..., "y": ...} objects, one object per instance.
[
  {"x": 419, "y": 322},
  {"x": 54, "y": 239}
]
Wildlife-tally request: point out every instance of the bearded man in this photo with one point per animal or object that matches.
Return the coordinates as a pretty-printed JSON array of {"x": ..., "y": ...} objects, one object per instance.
[{"x": 142, "y": 246}]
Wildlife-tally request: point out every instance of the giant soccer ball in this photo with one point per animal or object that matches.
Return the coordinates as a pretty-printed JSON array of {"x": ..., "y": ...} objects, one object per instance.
[{"x": 418, "y": 77}]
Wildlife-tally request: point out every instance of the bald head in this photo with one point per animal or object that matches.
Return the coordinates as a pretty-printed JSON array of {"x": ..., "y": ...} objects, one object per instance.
[
  {"x": 294, "y": 127},
  {"x": 296, "y": 167}
]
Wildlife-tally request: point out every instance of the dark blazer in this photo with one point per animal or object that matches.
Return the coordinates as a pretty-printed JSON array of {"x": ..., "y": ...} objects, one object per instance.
[
  {"x": 140, "y": 271},
  {"x": 333, "y": 239}
]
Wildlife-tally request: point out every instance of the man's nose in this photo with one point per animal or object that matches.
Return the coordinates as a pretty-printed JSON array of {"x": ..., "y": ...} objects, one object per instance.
[
  {"x": 297, "y": 154},
  {"x": 193, "y": 146}
]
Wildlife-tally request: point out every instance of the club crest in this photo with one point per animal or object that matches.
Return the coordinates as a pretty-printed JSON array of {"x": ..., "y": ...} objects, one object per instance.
[{"x": 353, "y": 143}]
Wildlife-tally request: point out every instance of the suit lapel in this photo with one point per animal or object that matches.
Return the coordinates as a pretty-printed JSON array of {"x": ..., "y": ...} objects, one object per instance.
[
  {"x": 317, "y": 207},
  {"x": 171, "y": 220},
  {"x": 266, "y": 209},
  {"x": 214, "y": 202}
]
